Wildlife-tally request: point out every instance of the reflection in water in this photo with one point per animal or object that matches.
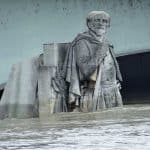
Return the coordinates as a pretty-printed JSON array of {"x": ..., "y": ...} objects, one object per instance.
[{"x": 125, "y": 128}]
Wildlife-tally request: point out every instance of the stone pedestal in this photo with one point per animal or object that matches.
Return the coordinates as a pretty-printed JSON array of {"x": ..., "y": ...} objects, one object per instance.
[
  {"x": 28, "y": 92},
  {"x": 45, "y": 91},
  {"x": 19, "y": 99},
  {"x": 52, "y": 58}
]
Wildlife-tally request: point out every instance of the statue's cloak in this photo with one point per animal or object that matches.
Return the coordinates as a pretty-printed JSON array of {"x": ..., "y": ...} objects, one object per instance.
[{"x": 83, "y": 57}]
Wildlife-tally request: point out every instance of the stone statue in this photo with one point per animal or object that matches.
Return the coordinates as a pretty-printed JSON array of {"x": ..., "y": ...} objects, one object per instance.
[
  {"x": 90, "y": 77},
  {"x": 86, "y": 80}
]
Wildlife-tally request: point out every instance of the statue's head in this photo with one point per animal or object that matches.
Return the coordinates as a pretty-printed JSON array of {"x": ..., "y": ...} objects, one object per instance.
[{"x": 98, "y": 22}]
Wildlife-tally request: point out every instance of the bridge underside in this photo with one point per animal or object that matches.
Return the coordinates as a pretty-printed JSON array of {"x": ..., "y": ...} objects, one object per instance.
[
  {"x": 136, "y": 78},
  {"x": 1, "y": 92}
]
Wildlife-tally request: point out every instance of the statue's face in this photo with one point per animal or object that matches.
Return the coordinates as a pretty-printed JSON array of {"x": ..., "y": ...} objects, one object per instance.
[{"x": 98, "y": 26}]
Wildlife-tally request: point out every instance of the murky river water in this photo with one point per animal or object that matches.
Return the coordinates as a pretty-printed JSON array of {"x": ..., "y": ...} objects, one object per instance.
[{"x": 125, "y": 128}]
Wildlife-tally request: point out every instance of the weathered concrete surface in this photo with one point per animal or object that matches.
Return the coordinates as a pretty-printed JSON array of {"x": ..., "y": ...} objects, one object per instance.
[
  {"x": 45, "y": 93},
  {"x": 54, "y": 54},
  {"x": 20, "y": 95}
]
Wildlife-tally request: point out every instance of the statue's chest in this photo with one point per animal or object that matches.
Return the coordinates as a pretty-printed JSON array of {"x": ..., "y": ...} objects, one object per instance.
[
  {"x": 93, "y": 48},
  {"x": 108, "y": 68}
]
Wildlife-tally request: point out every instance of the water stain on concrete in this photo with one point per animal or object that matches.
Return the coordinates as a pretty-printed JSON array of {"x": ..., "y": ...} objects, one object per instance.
[{"x": 36, "y": 6}]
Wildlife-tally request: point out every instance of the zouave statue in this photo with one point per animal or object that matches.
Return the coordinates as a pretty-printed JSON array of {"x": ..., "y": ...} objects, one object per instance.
[{"x": 90, "y": 78}]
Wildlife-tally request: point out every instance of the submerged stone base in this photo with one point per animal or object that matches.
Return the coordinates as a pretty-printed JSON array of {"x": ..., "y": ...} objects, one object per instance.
[{"x": 18, "y": 111}]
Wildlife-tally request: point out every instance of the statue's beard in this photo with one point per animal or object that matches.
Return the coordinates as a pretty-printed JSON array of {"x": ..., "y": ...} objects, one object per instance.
[{"x": 99, "y": 31}]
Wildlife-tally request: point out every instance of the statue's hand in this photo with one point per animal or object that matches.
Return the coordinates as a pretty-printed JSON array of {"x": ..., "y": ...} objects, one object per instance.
[
  {"x": 94, "y": 76},
  {"x": 119, "y": 85}
]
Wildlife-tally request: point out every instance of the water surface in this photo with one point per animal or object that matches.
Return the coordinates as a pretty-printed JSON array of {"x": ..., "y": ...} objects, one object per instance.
[{"x": 125, "y": 128}]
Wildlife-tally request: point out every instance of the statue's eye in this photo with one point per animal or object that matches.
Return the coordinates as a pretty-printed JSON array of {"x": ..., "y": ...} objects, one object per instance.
[
  {"x": 97, "y": 20},
  {"x": 104, "y": 21}
]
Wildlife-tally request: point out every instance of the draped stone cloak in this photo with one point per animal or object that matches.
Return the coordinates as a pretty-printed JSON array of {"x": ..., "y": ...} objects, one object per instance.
[{"x": 83, "y": 57}]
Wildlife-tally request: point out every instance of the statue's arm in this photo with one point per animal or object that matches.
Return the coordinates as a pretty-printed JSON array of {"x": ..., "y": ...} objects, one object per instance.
[
  {"x": 86, "y": 63},
  {"x": 119, "y": 76}
]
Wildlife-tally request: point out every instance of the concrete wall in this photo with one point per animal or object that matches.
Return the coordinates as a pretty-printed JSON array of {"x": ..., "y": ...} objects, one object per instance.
[{"x": 27, "y": 24}]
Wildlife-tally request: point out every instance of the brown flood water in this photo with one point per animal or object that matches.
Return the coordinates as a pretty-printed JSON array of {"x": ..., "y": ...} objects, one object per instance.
[{"x": 126, "y": 128}]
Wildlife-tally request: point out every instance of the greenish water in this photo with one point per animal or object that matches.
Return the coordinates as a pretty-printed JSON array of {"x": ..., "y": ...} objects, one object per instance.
[{"x": 125, "y": 128}]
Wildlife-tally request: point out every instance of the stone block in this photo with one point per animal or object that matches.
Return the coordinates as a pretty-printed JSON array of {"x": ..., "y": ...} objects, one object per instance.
[
  {"x": 54, "y": 54},
  {"x": 21, "y": 90},
  {"x": 46, "y": 93}
]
